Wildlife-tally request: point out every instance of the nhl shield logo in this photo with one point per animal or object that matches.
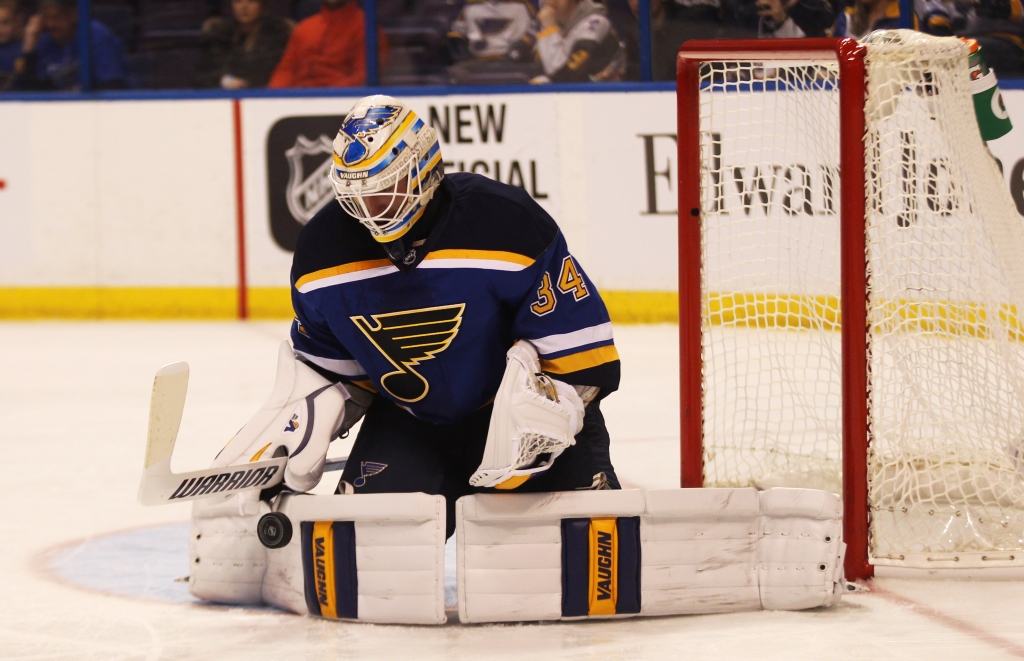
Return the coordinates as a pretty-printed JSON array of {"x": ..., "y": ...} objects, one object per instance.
[
  {"x": 298, "y": 160},
  {"x": 308, "y": 193}
]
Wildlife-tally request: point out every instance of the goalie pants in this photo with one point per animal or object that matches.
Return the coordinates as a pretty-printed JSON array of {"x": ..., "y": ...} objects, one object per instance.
[{"x": 396, "y": 452}]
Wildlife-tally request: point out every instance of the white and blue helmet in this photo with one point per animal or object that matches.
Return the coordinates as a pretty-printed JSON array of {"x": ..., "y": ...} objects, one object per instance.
[{"x": 380, "y": 143}]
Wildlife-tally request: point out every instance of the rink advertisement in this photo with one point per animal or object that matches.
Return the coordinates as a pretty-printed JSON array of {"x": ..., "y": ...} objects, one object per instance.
[{"x": 155, "y": 231}]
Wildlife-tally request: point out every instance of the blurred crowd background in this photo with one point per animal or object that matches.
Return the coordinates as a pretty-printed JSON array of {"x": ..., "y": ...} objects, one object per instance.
[{"x": 234, "y": 44}]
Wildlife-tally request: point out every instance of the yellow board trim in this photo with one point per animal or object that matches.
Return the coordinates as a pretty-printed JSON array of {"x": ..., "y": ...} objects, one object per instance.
[
  {"x": 118, "y": 303},
  {"x": 580, "y": 361},
  {"x": 493, "y": 255},
  {"x": 270, "y": 303},
  {"x": 642, "y": 307},
  {"x": 342, "y": 269},
  {"x": 738, "y": 309},
  {"x": 749, "y": 310},
  {"x": 324, "y": 567},
  {"x": 795, "y": 312},
  {"x": 604, "y": 566}
]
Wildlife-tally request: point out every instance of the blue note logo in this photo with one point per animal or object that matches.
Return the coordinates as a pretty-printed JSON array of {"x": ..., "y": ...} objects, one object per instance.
[
  {"x": 407, "y": 339},
  {"x": 357, "y": 133},
  {"x": 368, "y": 469}
]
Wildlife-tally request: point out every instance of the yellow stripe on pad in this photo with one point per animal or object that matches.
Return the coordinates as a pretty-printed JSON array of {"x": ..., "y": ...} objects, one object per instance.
[
  {"x": 323, "y": 560},
  {"x": 604, "y": 566},
  {"x": 575, "y": 362}
]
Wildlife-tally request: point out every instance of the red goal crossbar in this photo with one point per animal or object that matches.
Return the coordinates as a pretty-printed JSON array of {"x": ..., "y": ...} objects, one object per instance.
[{"x": 850, "y": 57}]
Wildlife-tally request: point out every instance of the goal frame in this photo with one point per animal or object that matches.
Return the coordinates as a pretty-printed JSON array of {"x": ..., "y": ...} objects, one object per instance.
[{"x": 853, "y": 263}]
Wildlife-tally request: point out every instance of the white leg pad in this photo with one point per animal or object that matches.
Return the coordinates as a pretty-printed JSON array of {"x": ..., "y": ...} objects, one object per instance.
[
  {"x": 675, "y": 551},
  {"x": 227, "y": 561},
  {"x": 371, "y": 558}
]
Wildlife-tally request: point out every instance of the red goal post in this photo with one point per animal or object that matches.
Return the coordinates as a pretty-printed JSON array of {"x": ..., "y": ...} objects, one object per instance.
[{"x": 850, "y": 58}]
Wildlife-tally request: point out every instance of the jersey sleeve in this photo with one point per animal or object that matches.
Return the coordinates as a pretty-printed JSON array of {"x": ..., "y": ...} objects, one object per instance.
[
  {"x": 564, "y": 317},
  {"x": 314, "y": 341}
]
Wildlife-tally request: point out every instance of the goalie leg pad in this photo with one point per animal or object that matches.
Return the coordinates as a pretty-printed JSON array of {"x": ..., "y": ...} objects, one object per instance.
[
  {"x": 227, "y": 561},
  {"x": 623, "y": 553},
  {"x": 372, "y": 558}
]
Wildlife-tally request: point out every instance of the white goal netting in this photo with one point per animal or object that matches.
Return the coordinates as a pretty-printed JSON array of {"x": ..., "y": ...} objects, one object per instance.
[{"x": 945, "y": 255}]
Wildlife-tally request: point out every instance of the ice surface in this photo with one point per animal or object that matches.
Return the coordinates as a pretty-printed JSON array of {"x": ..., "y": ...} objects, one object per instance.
[{"x": 72, "y": 433}]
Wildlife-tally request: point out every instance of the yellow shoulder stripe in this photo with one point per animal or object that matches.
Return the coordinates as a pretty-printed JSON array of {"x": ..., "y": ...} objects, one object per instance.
[
  {"x": 340, "y": 270},
  {"x": 495, "y": 255},
  {"x": 547, "y": 32},
  {"x": 575, "y": 362}
]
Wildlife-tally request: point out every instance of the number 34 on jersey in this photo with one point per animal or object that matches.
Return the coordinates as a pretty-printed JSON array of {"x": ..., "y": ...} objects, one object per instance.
[{"x": 568, "y": 281}]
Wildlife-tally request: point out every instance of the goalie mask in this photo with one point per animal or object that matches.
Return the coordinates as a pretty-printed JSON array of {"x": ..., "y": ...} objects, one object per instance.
[{"x": 387, "y": 164}]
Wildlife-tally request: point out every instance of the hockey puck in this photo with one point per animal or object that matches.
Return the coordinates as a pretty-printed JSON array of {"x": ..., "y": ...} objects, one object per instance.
[{"x": 274, "y": 530}]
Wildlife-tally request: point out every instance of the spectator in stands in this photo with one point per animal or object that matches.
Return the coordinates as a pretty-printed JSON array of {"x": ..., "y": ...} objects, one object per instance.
[
  {"x": 49, "y": 59},
  {"x": 494, "y": 29},
  {"x": 795, "y": 18},
  {"x": 998, "y": 27},
  {"x": 493, "y": 38},
  {"x": 243, "y": 50},
  {"x": 12, "y": 25},
  {"x": 866, "y": 16},
  {"x": 577, "y": 43},
  {"x": 328, "y": 49},
  {"x": 673, "y": 22},
  {"x": 932, "y": 16}
]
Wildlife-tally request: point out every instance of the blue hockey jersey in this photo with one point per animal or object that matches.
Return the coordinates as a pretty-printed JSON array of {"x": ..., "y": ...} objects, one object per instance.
[{"x": 432, "y": 336}]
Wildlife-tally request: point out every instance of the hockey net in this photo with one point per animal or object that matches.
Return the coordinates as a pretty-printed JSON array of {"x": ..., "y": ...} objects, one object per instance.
[{"x": 925, "y": 268}]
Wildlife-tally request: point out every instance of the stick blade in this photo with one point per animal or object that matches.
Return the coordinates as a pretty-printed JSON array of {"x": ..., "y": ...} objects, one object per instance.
[{"x": 165, "y": 408}]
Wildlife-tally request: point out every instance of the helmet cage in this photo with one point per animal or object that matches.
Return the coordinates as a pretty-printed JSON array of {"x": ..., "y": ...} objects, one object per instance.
[{"x": 398, "y": 206}]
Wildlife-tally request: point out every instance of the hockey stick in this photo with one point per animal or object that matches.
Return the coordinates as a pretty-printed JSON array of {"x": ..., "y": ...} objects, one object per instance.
[{"x": 159, "y": 485}]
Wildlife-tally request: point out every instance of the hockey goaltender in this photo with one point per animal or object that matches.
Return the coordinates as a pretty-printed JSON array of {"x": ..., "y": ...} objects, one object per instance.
[{"x": 448, "y": 314}]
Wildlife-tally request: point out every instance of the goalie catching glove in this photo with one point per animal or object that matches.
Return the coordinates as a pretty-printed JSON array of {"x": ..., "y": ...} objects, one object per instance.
[
  {"x": 535, "y": 418},
  {"x": 304, "y": 413}
]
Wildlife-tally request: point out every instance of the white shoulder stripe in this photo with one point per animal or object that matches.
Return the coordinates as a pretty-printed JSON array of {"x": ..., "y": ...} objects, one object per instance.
[
  {"x": 347, "y": 277},
  {"x": 555, "y": 343},
  {"x": 489, "y": 264},
  {"x": 343, "y": 367}
]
